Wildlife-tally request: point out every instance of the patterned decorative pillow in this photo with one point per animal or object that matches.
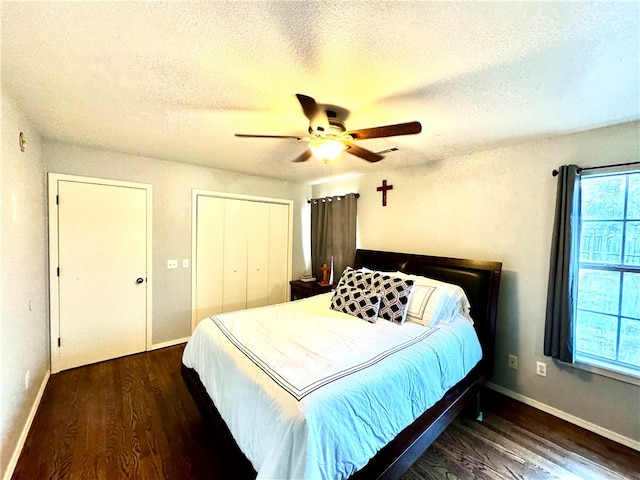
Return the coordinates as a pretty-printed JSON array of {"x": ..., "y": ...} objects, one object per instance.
[
  {"x": 357, "y": 302},
  {"x": 355, "y": 279},
  {"x": 395, "y": 293}
]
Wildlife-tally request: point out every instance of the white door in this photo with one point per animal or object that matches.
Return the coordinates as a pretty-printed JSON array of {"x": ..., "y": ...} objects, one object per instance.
[
  {"x": 278, "y": 253},
  {"x": 234, "y": 286},
  {"x": 209, "y": 256},
  {"x": 241, "y": 252},
  {"x": 102, "y": 278},
  {"x": 257, "y": 254}
]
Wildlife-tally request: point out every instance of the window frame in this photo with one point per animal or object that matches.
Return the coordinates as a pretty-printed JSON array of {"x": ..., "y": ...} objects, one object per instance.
[{"x": 584, "y": 361}]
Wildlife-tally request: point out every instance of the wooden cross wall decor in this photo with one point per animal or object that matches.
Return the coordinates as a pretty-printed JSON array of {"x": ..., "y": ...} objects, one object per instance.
[
  {"x": 325, "y": 271},
  {"x": 383, "y": 188}
]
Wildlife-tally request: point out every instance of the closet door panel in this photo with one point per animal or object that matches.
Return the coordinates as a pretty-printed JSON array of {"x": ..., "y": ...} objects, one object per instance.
[
  {"x": 234, "y": 292},
  {"x": 209, "y": 255},
  {"x": 278, "y": 252},
  {"x": 242, "y": 254},
  {"x": 257, "y": 254}
]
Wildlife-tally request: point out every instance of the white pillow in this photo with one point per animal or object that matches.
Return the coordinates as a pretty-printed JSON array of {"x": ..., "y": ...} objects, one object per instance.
[
  {"x": 422, "y": 280},
  {"x": 433, "y": 301},
  {"x": 383, "y": 272}
]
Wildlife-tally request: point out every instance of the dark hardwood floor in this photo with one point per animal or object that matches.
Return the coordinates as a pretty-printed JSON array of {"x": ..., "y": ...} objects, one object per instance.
[{"x": 134, "y": 418}]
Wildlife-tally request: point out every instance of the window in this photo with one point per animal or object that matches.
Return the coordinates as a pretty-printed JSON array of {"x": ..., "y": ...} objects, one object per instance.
[{"x": 607, "y": 329}]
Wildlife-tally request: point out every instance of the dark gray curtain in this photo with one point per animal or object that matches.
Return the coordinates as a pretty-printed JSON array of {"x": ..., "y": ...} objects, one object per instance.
[
  {"x": 333, "y": 233},
  {"x": 558, "y": 333}
]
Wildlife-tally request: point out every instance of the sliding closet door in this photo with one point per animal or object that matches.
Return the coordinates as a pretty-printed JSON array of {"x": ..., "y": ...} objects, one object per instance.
[
  {"x": 278, "y": 253},
  {"x": 234, "y": 286},
  {"x": 242, "y": 252},
  {"x": 257, "y": 254},
  {"x": 209, "y": 253}
]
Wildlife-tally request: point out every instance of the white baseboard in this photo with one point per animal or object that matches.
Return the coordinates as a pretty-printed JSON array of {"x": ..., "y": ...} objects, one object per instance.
[
  {"x": 25, "y": 430},
  {"x": 616, "y": 437},
  {"x": 170, "y": 343}
]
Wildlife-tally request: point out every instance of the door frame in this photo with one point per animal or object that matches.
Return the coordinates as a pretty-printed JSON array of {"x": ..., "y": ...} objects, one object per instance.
[
  {"x": 54, "y": 287},
  {"x": 195, "y": 193}
]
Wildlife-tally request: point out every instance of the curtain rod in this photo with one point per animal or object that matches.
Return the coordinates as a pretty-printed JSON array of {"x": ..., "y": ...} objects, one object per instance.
[
  {"x": 555, "y": 172},
  {"x": 357, "y": 195}
]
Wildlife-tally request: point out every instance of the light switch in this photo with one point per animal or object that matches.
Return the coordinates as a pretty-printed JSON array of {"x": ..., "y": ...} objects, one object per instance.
[
  {"x": 185, "y": 263},
  {"x": 171, "y": 264}
]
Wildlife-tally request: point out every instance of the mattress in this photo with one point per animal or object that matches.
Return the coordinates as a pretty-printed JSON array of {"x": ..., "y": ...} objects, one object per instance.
[{"x": 308, "y": 392}]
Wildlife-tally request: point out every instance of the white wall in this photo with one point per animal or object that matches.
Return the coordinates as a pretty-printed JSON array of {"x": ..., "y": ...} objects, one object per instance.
[
  {"x": 498, "y": 205},
  {"x": 24, "y": 340},
  {"x": 172, "y": 185}
]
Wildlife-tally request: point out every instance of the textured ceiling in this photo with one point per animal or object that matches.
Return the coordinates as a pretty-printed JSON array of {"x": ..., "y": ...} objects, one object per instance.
[{"x": 176, "y": 80}]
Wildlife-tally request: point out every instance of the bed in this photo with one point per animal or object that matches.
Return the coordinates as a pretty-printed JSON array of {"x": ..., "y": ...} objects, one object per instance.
[{"x": 479, "y": 280}]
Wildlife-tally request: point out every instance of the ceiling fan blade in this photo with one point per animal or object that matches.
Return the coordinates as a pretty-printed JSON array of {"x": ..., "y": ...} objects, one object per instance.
[
  {"x": 303, "y": 157},
  {"x": 386, "y": 131},
  {"x": 318, "y": 120},
  {"x": 363, "y": 153},
  {"x": 247, "y": 135},
  {"x": 309, "y": 105}
]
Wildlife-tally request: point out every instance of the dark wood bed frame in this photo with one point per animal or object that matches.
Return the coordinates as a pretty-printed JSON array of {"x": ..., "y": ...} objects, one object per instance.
[{"x": 480, "y": 280}]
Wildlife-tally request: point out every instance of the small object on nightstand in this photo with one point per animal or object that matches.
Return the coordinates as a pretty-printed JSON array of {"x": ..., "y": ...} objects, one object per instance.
[
  {"x": 325, "y": 274},
  {"x": 300, "y": 289},
  {"x": 307, "y": 278}
]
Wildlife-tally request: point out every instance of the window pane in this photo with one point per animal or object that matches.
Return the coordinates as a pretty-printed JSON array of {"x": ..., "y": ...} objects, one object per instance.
[
  {"x": 632, "y": 244},
  {"x": 633, "y": 207},
  {"x": 603, "y": 197},
  {"x": 630, "y": 341},
  {"x": 607, "y": 323},
  {"x": 598, "y": 290},
  {"x": 601, "y": 242},
  {"x": 631, "y": 295},
  {"x": 597, "y": 334}
]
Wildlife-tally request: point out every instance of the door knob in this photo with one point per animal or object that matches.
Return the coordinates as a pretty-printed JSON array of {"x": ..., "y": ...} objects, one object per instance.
[{"x": 139, "y": 280}]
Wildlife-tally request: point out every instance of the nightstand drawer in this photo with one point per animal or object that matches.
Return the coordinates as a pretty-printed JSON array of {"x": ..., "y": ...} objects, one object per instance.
[{"x": 300, "y": 289}]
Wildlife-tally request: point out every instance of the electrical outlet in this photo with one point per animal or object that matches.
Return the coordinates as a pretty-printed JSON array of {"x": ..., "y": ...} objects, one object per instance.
[
  {"x": 171, "y": 264},
  {"x": 541, "y": 369},
  {"x": 26, "y": 380},
  {"x": 512, "y": 362}
]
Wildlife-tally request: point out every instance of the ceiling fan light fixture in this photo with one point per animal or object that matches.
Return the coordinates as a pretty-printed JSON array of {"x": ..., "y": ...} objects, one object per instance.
[
  {"x": 328, "y": 136},
  {"x": 326, "y": 149}
]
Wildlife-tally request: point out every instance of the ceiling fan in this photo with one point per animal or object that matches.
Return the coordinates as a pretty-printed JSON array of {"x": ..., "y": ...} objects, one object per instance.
[{"x": 328, "y": 135}]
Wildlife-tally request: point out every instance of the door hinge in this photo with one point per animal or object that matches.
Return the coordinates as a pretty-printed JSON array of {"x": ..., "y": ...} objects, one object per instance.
[
  {"x": 57, "y": 199},
  {"x": 58, "y": 341},
  {"x": 58, "y": 271}
]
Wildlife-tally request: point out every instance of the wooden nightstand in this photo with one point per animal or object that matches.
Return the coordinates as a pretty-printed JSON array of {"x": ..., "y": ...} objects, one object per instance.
[{"x": 300, "y": 289}]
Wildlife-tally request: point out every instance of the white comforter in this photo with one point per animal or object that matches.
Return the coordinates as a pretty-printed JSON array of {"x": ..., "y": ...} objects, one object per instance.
[{"x": 310, "y": 393}]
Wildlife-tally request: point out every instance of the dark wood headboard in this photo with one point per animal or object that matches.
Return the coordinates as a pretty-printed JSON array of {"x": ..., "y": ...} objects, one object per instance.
[{"x": 479, "y": 279}]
